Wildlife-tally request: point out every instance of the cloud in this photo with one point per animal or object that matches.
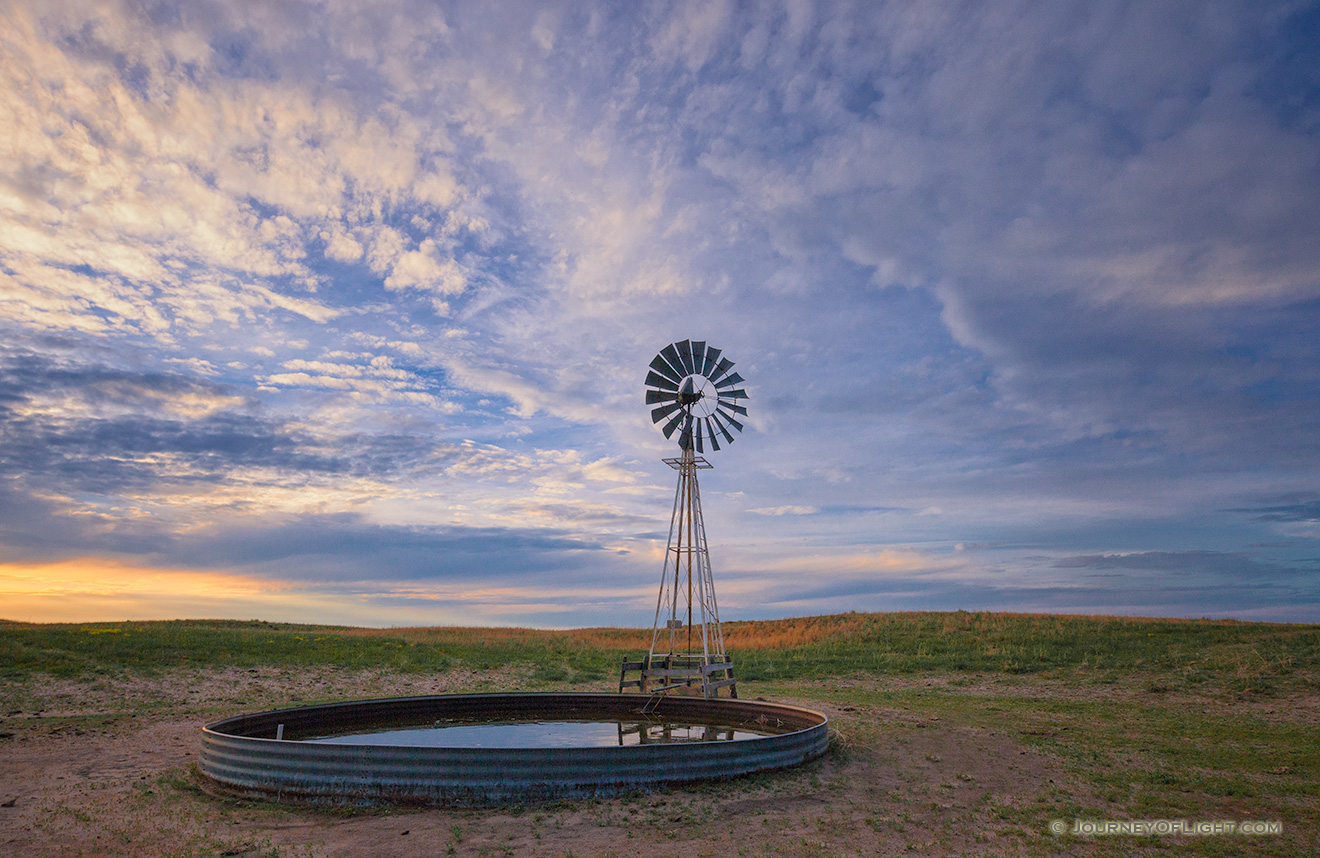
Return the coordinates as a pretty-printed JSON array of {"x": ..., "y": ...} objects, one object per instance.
[
  {"x": 376, "y": 377},
  {"x": 785, "y": 510},
  {"x": 420, "y": 269},
  {"x": 1017, "y": 274},
  {"x": 1301, "y": 511},
  {"x": 344, "y": 547},
  {"x": 149, "y": 183},
  {"x": 73, "y": 428},
  {"x": 1201, "y": 564}
]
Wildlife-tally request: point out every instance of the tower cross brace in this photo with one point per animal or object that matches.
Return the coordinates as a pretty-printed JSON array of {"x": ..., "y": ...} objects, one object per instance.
[{"x": 687, "y": 644}]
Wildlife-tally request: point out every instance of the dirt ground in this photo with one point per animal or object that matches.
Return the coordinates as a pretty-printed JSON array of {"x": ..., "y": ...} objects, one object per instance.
[{"x": 108, "y": 768}]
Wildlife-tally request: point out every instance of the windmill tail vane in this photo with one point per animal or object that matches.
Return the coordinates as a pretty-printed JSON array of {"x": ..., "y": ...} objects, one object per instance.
[{"x": 695, "y": 394}]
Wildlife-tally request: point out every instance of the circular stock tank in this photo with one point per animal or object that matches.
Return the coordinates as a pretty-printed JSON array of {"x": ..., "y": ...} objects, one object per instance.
[{"x": 486, "y": 749}]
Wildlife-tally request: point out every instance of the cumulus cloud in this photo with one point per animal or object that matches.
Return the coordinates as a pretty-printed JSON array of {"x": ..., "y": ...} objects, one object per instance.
[{"x": 421, "y": 269}]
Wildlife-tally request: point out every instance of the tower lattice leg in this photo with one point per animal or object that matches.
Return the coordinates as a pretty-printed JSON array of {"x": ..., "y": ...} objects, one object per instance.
[{"x": 687, "y": 645}]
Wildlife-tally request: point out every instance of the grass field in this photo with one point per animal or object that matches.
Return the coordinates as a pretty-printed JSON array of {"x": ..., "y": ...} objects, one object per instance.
[
  {"x": 1228, "y": 655},
  {"x": 955, "y": 733}
]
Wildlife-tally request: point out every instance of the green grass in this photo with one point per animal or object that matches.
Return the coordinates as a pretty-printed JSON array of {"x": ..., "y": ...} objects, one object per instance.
[
  {"x": 1251, "y": 658},
  {"x": 92, "y": 648},
  {"x": 1191, "y": 651},
  {"x": 1204, "y": 759},
  {"x": 1255, "y": 657},
  {"x": 76, "y": 650}
]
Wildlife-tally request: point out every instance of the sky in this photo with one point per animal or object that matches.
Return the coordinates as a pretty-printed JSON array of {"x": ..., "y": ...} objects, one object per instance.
[{"x": 341, "y": 311}]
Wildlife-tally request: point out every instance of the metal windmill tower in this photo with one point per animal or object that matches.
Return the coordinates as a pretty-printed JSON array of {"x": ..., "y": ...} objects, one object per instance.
[{"x": 696, "y": 394}]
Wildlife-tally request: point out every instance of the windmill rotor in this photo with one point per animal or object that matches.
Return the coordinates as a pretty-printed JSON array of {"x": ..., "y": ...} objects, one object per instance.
[{"x": 695, "y": 394}]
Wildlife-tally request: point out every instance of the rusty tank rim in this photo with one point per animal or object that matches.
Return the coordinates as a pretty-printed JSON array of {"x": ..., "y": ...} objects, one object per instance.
[{"x": 243, "y": 754}]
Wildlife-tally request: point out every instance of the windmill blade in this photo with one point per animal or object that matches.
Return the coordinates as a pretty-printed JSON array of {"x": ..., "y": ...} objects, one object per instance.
[
  {"x": 658, "y": 414},
  {"x": 665, "y": 368},
  {"x": 732, "y": 406},
  {"x": 710, "y": 430},
  {"x": 685, "y": 439},
  {"x": 670, "y": 353},
  {"x": 685, "y": 354},
  {"x": 720, "y": 369},
  {"x": 725, "y": 432},
  {"x": 737, "y": 393},
  {"x": 673, "y": 424},
  {"x": 712, "y": 355},
  {"x": 654, "y": 396},
  {"x": 728, "y": 380},
  {"x": 734, "y": 423},
  {"x": 698, "y": 355},
  {"x": 655, "y": 379},
  {"x": 697, "y": 429}
]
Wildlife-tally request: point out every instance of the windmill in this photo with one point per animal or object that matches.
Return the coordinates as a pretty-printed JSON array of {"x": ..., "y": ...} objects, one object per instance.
[{"x": 695, "y": 395}]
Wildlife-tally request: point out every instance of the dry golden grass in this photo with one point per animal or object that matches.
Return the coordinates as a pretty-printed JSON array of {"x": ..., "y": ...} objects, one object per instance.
[{"x": 755, "y": 634}]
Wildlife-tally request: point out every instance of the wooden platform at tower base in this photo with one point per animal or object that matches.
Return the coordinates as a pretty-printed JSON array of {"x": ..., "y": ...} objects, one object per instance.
[{"x": 679, "y": 673}]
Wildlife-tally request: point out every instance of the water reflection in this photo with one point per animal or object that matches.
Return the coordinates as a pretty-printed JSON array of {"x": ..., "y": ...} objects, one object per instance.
[{"x": 544, "y": 734}]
